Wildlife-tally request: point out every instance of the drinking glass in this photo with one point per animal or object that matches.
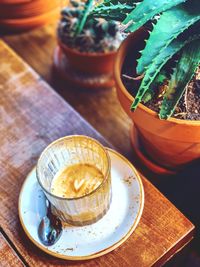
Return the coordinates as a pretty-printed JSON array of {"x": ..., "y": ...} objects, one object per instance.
[{"x": 63, "y": 153}]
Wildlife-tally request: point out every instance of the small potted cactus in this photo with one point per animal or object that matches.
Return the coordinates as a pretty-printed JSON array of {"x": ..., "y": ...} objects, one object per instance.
[
  {"x": 88, "y": 42},
  {"x": 158, "y": 77}
]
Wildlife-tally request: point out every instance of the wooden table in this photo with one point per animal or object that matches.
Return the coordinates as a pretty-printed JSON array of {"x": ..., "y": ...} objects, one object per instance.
[
  {"x": 31, "y": 116},
  {"x": 105, "y": 113}
]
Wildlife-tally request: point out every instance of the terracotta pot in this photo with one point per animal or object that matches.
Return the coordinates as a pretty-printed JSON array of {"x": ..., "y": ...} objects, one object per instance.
[
  {"x": 90, "y": 63},
  {"x": 29, "y": 23},
  {"x": 27, "y": 9},
  {"x": 171, "y": 143},
  {"x": 19, "y": 15},
  {"x": 10, "y": 2},
  {"x": 144, "y": 160},
  {"x": 79, "y": 80}
]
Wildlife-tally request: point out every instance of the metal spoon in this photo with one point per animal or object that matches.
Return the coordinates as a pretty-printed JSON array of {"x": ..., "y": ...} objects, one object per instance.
[{"x": 50, "y": 227}]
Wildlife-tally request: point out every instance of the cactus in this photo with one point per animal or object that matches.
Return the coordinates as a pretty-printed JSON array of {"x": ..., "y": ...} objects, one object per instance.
[
  {"x": 80, "y": 30},
  {"x": 182, "y": 73},
  {"x": 174, "y": 26},
  {"x": 87, "y": 8}
]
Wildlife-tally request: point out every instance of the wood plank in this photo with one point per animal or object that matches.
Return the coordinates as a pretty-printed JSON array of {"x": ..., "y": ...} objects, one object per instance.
[
  {"x": 8, "y": 257},
  {"x": 104, "y": 112},
  {"x": 31, "y": 116}
]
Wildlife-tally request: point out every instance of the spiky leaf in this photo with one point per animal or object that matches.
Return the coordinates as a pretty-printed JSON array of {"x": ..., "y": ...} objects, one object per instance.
[
  {"x": 159, "y": 80},
  {"x": 183, "y": 72},
  {"x": 87, "y": 9},
  {"x": 159, "y": 62},
  {"x": 114, "y": 9},
  {"x": 171, "y": 23},
  {"x": 161, "y": 59},
  {"x": 115, "y": 2},
  {"x": 111, "y": 11},
  {"x": 146, "y": 10}
]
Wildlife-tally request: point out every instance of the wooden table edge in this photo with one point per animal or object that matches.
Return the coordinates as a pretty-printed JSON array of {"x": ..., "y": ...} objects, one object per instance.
[{"x": 176, "y": 249}]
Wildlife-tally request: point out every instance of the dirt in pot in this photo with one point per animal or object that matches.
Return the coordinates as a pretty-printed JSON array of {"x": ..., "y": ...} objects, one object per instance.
[{"x": 188, "y": 107}]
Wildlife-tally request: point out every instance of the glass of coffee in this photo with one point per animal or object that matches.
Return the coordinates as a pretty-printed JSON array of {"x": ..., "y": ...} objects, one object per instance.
[{"x": 74, "y": 173}]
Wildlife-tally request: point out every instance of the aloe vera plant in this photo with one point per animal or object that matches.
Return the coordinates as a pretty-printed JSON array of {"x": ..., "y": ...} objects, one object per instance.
[
  {"x": 176, "y": 27},
  {"x": 175, "y": 35},
  {"x": 114, "y": 10},
  {"x": 182, "y": 73}
]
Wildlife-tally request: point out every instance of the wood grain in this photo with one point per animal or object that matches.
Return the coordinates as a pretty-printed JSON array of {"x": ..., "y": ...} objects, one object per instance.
[
  {"x": 8, "y": 257},
  {"x": 31, "y": 116},
  {"x": 100, "y": 107}
]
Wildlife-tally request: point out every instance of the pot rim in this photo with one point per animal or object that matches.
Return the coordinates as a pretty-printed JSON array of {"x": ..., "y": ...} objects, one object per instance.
[
  {"x": 32, "y": 19},
  {"x": 117, "y": 76},
  {"x": 90, "y": 54}
]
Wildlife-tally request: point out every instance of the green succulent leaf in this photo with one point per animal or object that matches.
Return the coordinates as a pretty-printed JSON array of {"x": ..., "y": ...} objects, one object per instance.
[
  {"x": 161, "y": 59},
  {"x": 159, "y": 80},
  {"x": 110, "y": 11},
  {"x": 114, "y": 9},
  {"x": 115, "y": 2},
  {"x": 146, "y": 10},
  {"x": 169, "y": 35},
  {"x": 171, "y": 23},
  {"x": 86, "y": 11},
  {"x": 183, "y": 72}
]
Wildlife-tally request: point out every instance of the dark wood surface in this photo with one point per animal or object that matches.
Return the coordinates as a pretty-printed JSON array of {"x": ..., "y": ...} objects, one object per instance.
[{"x": 32, "y": 115}]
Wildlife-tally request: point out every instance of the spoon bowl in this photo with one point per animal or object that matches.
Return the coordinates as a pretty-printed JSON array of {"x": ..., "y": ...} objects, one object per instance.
[{"x": 50, "y": 227}]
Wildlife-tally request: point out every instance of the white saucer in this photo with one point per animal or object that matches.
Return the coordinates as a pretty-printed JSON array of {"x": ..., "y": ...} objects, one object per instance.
[{"x": 91, "y": 241}]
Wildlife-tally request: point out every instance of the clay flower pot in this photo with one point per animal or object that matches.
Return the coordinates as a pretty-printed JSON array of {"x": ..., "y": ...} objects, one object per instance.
[
  {"x": 170, "y": 143},
  {"x": 27, "y": 14},
  {"x": 14, "y": 1},
  {"x": 89, "y": 63},
  {"x": 29, "y": 23},
  {"x": 27, "y": 9}
]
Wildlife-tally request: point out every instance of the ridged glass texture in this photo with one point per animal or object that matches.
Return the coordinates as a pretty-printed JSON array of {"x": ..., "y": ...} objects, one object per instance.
[{"x": 68, "y": 151}]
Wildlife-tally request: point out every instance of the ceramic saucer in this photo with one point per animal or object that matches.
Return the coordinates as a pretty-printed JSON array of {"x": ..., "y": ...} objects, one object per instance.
[
  {"x": 78, "y": 79},
  {"x": 91, "y": 241}
]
